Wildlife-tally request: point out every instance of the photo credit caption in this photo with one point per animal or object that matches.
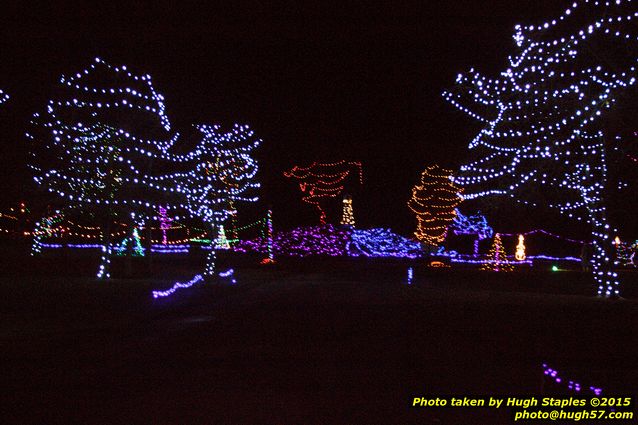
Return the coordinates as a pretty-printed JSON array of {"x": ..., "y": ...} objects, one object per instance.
[{"x": 529, "y": 408}]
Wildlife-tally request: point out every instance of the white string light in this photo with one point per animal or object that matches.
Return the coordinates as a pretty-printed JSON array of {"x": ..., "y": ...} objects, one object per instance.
[{"x": 541, "y": 117}]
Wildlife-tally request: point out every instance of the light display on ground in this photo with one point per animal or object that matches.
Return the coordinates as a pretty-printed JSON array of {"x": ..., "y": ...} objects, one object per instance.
[
  {"x": 571, "y": 385},
  {"x": 333, "y": 241}
]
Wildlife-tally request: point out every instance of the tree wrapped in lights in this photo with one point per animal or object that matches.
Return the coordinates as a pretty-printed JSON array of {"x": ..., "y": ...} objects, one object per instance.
[
  {"x": 434, "y": 201},
  {"x": 497, "y": 258},
  {"x": 321, "y": 181},
  {"x": 542, "y": 118},
  {"x": 105, "y": 146}
]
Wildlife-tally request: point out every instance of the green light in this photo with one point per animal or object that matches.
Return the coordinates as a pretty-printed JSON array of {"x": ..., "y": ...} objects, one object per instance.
[{"x": 554, "y": 268}]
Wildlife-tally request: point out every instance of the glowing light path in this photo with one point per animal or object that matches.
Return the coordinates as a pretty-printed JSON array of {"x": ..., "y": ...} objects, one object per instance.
[
  {"x": 571, "y": 385},
  {"x": 176, "y": 286}
]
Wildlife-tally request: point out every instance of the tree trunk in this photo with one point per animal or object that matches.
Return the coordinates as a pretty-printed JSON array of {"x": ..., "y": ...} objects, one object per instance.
[
  {"x": 104, "y": 270},
  {"x": 602, "y": 261},
  {"x": 211, "y": 258}
]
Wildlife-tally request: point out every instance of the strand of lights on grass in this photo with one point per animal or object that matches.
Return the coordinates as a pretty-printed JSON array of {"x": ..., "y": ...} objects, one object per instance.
[
  {"x": 86, "y": 150},
  {"x": 520, "y": 248},
  {"x": 497, "y": 257},
  {"x": 434, "y": 201},
  {"x": 322, "y": 181},
  {"x": 571, "y": 385},
  {"x": 177, "y": 286},
  {"x": 229, "y": 273},
  {"x": 541, "y": 117},
  {"x": 347, "y": 215}
]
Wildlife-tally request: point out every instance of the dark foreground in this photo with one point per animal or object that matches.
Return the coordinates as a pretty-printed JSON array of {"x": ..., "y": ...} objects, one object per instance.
[{"x": 316, "y": 342}]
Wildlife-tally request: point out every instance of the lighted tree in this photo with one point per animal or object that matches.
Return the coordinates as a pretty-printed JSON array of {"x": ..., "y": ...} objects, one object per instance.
[
  {"x": 320, "y": 182},
  {"x": 497, "y": 258},
  {"x": 434, "y": 201},
  {"x": 520, "y": 248},
  {"x": 347, "y": 215},
  {"x": 105, "y": 147},
  {"x": 543, "y": 128}
]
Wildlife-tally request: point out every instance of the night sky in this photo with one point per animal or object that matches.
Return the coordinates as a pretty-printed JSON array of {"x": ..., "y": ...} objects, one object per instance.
[{"x": 323, "y": 82}]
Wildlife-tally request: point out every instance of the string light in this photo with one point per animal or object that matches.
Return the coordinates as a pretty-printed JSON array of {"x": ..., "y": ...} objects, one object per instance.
[
  {"x": 333, "y": 241},
  {"x": 571, "y": 385},
  {"x": 86, "y": 150},
  {"x": 222, "y": 242},
  {"x": 541, "y": 117},
  {"x": 270, "y": 259},
  {"x": 382, "y": 243},
  {"x": 3, "y": 97},
  {"x": 520, "y": 248},
  {"x": 321, "y": 181},
  {"x": 176, "y": 286},
  {"x": 434, "y": 202},
  {"x": 165, "y": 224},
  {"x": 347, "y": 216},
  {"x": 497, "y": 257},
  {"x": 472, "y": 225}
]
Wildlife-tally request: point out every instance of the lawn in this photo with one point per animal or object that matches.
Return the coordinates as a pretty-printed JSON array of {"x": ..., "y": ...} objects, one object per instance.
[{"x": 314, "y": 341}]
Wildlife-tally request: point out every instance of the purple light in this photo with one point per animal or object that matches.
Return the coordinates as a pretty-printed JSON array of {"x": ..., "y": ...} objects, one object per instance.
[
  {"x": 176, "y": 286},
  {"x": 335, "y": 242},
  {"x": 571, "y": 385},
  {"x": 381, "y": 243}
]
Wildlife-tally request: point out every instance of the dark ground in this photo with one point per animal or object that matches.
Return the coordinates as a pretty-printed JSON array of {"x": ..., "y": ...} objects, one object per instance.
[{"x": 316, "y": 341}]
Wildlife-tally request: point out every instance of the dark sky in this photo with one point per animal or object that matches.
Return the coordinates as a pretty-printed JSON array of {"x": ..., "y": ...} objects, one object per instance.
[{"x": 360, "y": 81}]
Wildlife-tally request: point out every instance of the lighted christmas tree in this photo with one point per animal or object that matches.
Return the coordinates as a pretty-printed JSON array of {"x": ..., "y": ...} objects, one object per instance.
[
  {"x": 322, "y": 181},
  {"x": 542, "y": 118},
  {"x": 105, "y": 147},
  {"x": 222, "y": 241},
  {"x": 347, "y": 216},
  {"x": 434, "y": 201},
  {"x": 520, "y": 248},
  {"x": 497, "y": 258}
]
